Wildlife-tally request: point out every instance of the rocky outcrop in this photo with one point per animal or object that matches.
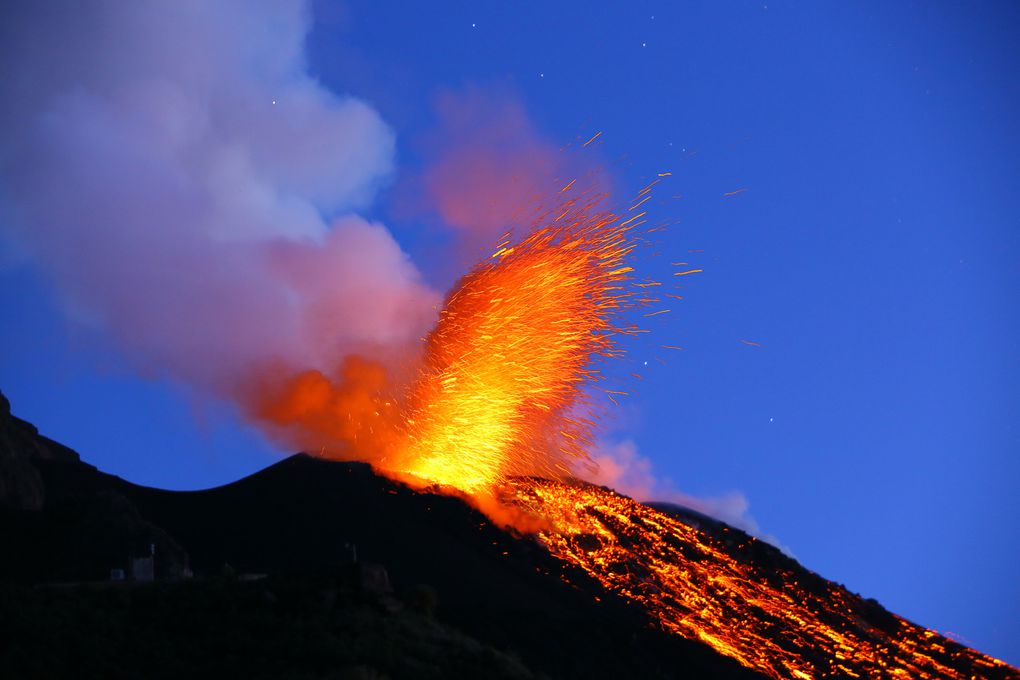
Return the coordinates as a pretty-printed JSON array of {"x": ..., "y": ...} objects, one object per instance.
[
  {"x": 21, "y": 486},
  {"x": 63, "y": 520}
]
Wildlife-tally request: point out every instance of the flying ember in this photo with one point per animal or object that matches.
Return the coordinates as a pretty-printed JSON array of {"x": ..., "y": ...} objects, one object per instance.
[
  {"x": 503, "y": 384},
  {"x": 502, "y": 391}
]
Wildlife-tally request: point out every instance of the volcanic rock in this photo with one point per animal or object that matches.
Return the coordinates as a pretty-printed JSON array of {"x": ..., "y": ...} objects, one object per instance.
[
  {"x": 63, "y": 520},
  {"x": 309, "y": 516}
]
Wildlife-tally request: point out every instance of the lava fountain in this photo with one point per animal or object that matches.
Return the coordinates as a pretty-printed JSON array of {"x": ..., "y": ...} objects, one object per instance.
[
  {"x": 502, "y": 391},
  {"x": 503, "y": 384}
]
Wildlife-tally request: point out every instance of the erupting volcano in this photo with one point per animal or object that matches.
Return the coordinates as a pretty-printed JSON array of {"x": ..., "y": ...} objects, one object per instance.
[
  {"x": 502, "y": 390},
  {"x": 505, "y": 381},
  {"x": 502, "y": 407}
]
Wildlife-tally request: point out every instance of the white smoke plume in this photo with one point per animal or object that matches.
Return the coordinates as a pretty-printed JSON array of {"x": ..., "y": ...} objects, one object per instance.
[
  {"x": 190, "y": 189},
  {"x": 619, "y": 466}
]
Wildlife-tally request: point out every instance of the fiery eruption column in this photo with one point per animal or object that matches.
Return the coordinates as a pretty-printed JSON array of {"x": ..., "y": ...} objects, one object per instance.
[{"x": 502, "y": 391}]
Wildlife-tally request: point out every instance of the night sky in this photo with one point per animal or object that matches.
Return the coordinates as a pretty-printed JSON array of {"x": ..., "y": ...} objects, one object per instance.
[{"x": 870, "y": 259}]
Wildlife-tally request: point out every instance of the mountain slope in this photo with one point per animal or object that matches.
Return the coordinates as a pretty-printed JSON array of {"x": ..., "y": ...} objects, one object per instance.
[
  {"x": 298, "y": 519},
  {"x": 505, "y": 591},
  {"x": 621, "y": 589}
]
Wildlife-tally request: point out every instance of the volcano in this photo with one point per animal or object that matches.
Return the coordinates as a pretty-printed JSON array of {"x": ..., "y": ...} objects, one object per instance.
[{"x": 631, "y": 591}]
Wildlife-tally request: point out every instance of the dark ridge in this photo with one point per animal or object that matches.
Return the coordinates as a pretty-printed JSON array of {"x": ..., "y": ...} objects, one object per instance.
[
  {"x": 304, "y": 512},
  {"x": 297, "y": 520}
]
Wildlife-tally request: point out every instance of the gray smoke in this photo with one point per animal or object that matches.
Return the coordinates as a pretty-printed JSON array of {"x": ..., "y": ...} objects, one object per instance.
[{"x": 189, "y": 188}]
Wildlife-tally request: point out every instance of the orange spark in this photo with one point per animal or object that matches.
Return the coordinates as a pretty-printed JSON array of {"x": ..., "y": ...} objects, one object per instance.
[
  {"x": 640, "y": 202},
  {"x": 502, "y": 388},
  {"x": 701, "y": 588}
]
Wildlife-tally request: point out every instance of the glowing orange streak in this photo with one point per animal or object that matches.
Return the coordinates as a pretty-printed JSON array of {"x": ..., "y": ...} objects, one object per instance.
[
  {"x": 633, "y": 207},
  {"x": 704, "y": 590},
  {"x": 513, "y": 352}
]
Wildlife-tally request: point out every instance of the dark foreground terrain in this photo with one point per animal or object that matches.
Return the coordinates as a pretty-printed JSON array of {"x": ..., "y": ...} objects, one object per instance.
[
  {"x": 319, "y": 569},
  {"x": 460, "y": 598},
  {"x": 299, "y": 625}
]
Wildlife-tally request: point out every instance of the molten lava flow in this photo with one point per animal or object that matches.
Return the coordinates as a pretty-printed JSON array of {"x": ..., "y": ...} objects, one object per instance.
[
  {"x": 774, "y": 617},
  {"x": 501, "y": 391}
]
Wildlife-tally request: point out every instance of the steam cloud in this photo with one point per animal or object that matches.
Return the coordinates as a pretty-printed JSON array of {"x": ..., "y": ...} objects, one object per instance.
[
  {"x": 189, "y": 187},
  {"x": 490, "y": 163},
  {"x": 621, "y": 467}
]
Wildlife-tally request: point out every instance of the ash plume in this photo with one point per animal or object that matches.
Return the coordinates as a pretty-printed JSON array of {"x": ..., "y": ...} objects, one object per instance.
[
  {"x": 490, "y": 169},
  {"x": 489, "y": 163},
  {"x": 190, "y": 189}
]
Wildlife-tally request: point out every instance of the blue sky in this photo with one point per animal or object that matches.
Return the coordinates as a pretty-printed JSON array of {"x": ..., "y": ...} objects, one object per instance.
[{"x": 874, "y": 256}]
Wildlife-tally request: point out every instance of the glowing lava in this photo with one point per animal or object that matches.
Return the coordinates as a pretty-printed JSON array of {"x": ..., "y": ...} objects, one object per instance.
[
  {"x": 502, "y": 389},
  {"x": 742, "y": 598},
  {"x": 504, "y": 381}
]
